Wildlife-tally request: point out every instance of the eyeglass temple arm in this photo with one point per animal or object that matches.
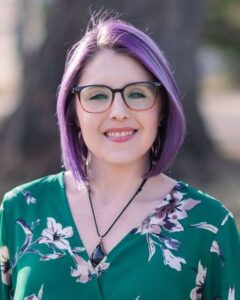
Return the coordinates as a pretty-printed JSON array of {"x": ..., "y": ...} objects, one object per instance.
[{"x": 76, "y": 90}]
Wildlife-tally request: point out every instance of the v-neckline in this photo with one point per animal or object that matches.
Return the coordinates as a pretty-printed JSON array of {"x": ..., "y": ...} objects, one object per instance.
[{"x": 124, "y": 238}]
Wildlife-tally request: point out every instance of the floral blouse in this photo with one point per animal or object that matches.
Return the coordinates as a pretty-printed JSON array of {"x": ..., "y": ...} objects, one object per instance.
[{"x": 188, "y": 247}]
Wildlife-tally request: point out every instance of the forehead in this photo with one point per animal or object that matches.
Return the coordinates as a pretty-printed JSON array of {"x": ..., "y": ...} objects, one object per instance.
[{"x": 112, "y": 68}]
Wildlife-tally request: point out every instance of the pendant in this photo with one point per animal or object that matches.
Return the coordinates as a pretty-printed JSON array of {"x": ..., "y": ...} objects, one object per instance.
[{"x": 98, "y": 255}]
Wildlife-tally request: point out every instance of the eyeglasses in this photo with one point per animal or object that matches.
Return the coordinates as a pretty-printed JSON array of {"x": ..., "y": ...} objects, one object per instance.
[{"x": 98, "y": 98}]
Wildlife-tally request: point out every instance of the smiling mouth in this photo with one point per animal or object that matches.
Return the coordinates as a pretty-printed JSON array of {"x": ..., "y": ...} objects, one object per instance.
[{"x": 116, "y": 134}]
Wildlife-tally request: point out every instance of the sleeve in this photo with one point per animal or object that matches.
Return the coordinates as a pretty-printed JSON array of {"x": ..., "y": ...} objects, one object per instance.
[
  {"x": 5, "y": 270},
  {"x": 223, "y": 270}
]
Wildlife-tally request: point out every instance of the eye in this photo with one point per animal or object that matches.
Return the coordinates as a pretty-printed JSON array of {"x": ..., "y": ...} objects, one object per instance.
[
  {"x": 99, "y": 96},
  {"x": 136, "y": 95}
]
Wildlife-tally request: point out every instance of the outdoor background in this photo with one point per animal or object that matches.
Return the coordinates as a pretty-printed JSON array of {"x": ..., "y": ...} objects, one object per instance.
[{"x": 201, "y": 40}]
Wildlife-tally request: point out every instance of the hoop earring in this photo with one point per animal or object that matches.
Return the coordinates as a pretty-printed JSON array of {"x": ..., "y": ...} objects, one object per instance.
[
  {"x": 160, "y": 121},
  {"x": 155, "y": 149},
  {"x": 79, "y": 134}
]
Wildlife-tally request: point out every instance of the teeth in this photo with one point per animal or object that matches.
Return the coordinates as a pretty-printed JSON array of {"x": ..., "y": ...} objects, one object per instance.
[{"x": 120, "y": 133}]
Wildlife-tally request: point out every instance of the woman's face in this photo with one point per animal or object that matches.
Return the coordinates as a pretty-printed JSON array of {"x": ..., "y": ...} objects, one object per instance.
[{"x": 118, "y": 135}]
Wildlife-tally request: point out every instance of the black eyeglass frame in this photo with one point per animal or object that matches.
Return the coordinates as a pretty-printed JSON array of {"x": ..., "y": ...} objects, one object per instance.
[{"x": 77, "y": 90}]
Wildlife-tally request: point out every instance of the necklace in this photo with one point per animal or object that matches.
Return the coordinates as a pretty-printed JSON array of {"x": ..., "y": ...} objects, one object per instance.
[{"x": 99, "y": 252}]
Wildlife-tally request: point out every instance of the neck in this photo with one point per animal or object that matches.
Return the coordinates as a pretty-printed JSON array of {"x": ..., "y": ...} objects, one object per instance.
[{"x": 118, "y": 180}]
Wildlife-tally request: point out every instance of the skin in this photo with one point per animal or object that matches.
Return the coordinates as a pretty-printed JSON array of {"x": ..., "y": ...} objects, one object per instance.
[
  {"x": 119, "y": 71},
  {"x": 115, "y": 169}
]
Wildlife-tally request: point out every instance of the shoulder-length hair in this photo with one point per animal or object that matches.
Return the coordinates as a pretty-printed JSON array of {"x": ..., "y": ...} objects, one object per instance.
[{"x": 124, "y": 38}]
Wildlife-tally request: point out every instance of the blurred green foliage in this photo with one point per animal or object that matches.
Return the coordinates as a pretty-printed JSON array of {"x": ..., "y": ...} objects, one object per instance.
[{"x": 223, "y": 30}]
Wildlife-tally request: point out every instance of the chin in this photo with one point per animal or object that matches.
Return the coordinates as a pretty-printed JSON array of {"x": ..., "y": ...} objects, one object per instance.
[{"x": 125, "y": 159}]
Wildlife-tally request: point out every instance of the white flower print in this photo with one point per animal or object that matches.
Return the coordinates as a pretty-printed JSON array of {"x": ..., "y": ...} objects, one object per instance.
[
  {"x": 172, "y": 209},
  {"x": 166, "y": 217},
  {"x": 196, "y": 293},
  {"x": 172, "y": 260},
  {"x": 84, "y": 270},
  {"x": 206, "y": 226},
  {"x": 215, "y": 248},
  {"x": 229, "y": 215},
  {"x": 100, "y": 268},
  {"x": 151, "y": 246},
  {"x": 34, "y": 297},
  {"x": 231, "y": 294},
  {"x": 55, "y": 235},
  {"x": 5, "y": 265},
  {"x": 29, "y": 198},
  {"x": 51, "y": 256},
  {"x": 150, "y": 225}
]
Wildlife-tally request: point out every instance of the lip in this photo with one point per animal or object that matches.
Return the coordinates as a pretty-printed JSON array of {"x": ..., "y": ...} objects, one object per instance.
[
  {"x": 120, "y": 129},
  {"x": 120, "y": 139}
]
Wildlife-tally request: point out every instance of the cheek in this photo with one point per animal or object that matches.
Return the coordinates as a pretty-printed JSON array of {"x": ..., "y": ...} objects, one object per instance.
[
  {"x": 154, "y": 118},
  {"x": 83, "y": 124},
  {"x": 151, "y": 129},
  {"x": 89, "y": 125},
  {"x": 88, "y": 134},
  {"x": 82, "y": 118}
]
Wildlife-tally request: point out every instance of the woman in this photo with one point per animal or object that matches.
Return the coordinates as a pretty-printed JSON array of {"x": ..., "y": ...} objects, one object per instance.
[{"x": 113, "y": 226}]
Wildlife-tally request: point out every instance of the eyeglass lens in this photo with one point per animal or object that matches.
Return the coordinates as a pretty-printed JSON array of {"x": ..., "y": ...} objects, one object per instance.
[{"x": 137, "y": 96}]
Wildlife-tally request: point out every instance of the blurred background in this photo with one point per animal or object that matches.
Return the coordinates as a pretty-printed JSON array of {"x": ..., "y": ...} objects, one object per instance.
[{"x": 201, "y": 40}]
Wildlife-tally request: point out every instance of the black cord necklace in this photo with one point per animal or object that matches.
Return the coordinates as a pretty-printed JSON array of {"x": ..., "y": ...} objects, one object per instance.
[{"x": 99, "y": 252}]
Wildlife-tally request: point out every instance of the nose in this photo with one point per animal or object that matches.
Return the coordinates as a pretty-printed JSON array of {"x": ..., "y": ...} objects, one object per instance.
[{"x": 118, "y": 109}]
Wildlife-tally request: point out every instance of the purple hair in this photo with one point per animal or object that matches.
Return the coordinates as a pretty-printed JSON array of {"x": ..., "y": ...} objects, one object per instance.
[{"x": 122, "y": 38}]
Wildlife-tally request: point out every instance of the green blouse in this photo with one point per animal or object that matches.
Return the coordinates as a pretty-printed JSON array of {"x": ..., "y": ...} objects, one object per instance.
[{"x": 188, "y": 247}]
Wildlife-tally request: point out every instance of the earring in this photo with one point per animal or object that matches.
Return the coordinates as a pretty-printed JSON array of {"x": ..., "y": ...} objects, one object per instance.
[
  {"x": 79, "y": 134},
  {"x": 160, "y": 121}
]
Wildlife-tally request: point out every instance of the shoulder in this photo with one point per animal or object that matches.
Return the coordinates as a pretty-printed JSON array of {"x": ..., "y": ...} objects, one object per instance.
[
  {"x": 206, "y": 207},
  {"x": 33, "y": 189}
]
